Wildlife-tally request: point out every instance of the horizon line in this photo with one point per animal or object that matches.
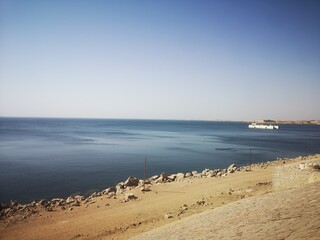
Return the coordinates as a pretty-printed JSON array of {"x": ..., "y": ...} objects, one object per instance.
[{"x": 157, "y": 119}]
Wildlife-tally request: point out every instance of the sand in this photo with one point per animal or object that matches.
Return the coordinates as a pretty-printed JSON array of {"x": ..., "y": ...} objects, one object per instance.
[{"x": 112, "y": 218}]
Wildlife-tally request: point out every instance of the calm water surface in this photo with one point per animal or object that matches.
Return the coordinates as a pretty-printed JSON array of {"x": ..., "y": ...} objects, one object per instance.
[{"x": 47, "y": 158}]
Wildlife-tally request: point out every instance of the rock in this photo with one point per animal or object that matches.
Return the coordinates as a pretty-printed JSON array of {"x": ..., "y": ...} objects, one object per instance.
[
  {"x": 194, "y": 172},
  {"x": 210, "y": 173},
  {"x": 119, "y": 188},
  {"x": 70, "y": 200},
  {"x": 188, "y": 175},
  {"x": 108, "y": 190},
  {"x": 204, "y": 172},
  {"x": 131, "y": 182},
  {"x": 141, "y": 182},
  {"x": 232, "y": 168},
  {"x": 180, "y": 176},
  {"x": 130, "y": 196},
  {"x": 202, "y": 203},
  {"x": 3, "y": 206},
  {"x": 168, "y": 215},
  {"x": 111, "y": 194},
  {"x": 13, "y": 203},
  {"x": 153, "y": 178},
  {"x": 263, "y": 183},
  {"x": 76, "y": 204},
  {"x": 316, "y": 166},
  {"x": 184, "y": 207},
  {"x": 95, "y": 194},
  {"x": 163, "y": 177},
  {"x": 172, "y": 177},
  {"x": 43, "y": 203},
  {"x": 81, "y": 198}
]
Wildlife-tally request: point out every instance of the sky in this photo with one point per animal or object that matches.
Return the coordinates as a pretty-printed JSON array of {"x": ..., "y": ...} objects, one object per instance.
[{"x": 169, "y": 59}]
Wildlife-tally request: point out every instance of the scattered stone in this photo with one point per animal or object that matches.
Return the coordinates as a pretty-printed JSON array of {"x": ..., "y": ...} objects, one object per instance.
[
  {"x": 111, "y": 194},
  {"x": 263, "y": 183},
  {"x": 130, "y": 196},
  {"x": 168, "y": 215},
  {"x": 145, "y": 189},
  {"x": 316, "y": 166},
  {"x": 202, "y": 203},
  {"x": 184, "y": 207}
]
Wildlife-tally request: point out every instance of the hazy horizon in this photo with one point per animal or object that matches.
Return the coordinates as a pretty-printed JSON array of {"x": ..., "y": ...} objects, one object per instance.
[{"x": 173, "y": 60}]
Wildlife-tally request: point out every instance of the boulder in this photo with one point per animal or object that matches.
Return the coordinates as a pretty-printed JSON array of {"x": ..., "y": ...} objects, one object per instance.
[
  {"x": 188, "y": 175},
  {"x": 70, "y": 200},
  {"x": 13, "y": 203},
  {"x": 180, "y": 176},
  {"x": 153, "y": 178},
  {"x": 232, "y": 168},
  {"x": 111, "y": 194},
  {"x": 131, "y": 182},
  {"x": 80, "y": 197},
  {"x": 120, "y": 187},
  {"x": 210, "y": 173},
  {"x": 43, "y": 203},
  {"x": 130, "y": 196},
  {"x": 204, "y": 172},
  {"x": 172, "y": 177},
  {"x": 108, "y": 190},
  {"x": 163, "y": 178},
  {"x": 95, "y": 194},
  {"x": 141, "y": 182}
]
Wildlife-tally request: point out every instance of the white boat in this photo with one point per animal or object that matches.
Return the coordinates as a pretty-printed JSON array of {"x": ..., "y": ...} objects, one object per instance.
[{"x": 263, "y": 126}]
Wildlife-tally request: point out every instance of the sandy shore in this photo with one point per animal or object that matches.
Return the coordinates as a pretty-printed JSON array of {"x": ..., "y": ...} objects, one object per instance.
[{"x": 113, "y": 217}]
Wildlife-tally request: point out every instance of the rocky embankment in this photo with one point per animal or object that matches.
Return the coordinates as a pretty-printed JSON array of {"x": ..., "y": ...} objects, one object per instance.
[{"x": 16, "y": 211}]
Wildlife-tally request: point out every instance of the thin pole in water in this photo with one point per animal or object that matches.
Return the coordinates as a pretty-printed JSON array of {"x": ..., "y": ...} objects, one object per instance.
[
  {"x": 145, "y": 173},
  {"x": 145, "y": 169},
  {"x": 250, "y": 159}
]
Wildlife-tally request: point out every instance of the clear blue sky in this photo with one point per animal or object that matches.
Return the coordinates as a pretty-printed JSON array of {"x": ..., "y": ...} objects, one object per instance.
[{"x": 209, "y": 60}]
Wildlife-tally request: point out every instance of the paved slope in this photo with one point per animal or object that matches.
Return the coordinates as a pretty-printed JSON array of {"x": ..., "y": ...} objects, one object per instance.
[{"x": 291, "y": 214}]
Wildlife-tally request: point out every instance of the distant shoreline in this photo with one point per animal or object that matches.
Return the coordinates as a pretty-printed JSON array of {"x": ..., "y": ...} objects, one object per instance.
[{"x": 302, "y": 122}]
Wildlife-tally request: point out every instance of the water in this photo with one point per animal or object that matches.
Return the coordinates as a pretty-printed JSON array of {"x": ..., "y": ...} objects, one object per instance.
[{"x": 47, "y": 158}]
